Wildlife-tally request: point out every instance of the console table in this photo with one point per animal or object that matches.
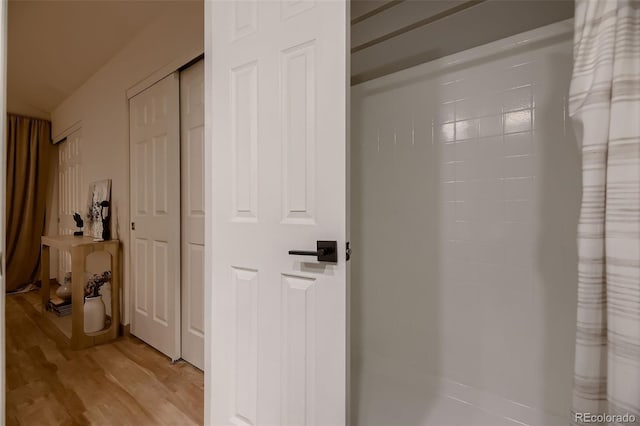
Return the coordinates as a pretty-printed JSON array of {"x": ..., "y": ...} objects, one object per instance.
[{"x": 80, "y": 248}]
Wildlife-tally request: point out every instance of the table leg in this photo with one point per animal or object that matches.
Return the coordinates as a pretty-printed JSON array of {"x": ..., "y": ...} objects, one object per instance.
[
  {"x": 44, "y": 276},
  {"x": 78, "y": 258}
]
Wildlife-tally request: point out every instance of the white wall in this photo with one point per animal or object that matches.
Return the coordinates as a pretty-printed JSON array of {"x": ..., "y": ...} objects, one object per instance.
[
  {"x": 102, "y": 107},
  {"x": 465, "y": 197}
]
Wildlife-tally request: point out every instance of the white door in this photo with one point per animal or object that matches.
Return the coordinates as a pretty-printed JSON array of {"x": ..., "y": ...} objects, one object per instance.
[
  {"x": 192, "y": 182},
  {"x": 70, "y": 194},
  {"x": 154, "y": 122},
  {"x": 276, "y": 101}
]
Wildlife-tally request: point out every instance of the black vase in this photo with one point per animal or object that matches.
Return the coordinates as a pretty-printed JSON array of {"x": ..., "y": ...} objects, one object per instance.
[{"x": 106, "y": 232}]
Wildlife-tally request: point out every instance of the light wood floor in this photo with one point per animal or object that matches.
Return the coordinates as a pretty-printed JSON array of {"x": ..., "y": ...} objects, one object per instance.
[{"x": 121, "y": 383}]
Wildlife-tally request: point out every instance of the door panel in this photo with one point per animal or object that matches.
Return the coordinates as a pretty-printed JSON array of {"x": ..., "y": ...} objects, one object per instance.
[
  {"x": 298, "y": 116},
  {"x": 277, "y": 103},
  {"x": 244, "y": 142},
  {"x": 70, "y": 192},
  {"x": 192, "y": 147},
  {"x": 155, "y": 201}
]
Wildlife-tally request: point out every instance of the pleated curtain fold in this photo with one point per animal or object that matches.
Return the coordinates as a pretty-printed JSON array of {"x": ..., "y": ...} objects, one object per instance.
[
  {"x": 605, "y": 106},
  {"x": 28, "y": 150}
]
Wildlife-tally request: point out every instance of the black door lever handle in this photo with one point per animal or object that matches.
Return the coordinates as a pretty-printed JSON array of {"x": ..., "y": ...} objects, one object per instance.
[
  {"x": 327, "y": 251},
  {"x": 320, "y": 252}
]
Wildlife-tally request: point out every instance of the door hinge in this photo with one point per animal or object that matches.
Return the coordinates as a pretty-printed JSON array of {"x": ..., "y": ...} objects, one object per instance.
[
  {"x": 133, "y": 226},
  {"x": 348, "y": 250}
]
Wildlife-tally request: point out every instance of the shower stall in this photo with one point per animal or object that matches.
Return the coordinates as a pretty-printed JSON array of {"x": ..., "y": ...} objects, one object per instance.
[{"x": 465, "y": 194}]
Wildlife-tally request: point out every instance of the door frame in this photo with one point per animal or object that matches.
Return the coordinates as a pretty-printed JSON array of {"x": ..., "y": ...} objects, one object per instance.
[
  {"x": 208, "y": 207},
  {"x": 3, "y": 131}
]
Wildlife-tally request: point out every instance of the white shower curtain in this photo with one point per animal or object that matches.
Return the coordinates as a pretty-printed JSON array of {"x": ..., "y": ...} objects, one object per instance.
[{"x": 605, "y": 106}]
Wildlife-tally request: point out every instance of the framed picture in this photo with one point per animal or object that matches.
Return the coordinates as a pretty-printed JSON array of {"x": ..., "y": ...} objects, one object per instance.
[{"x": 99, "y": 202}]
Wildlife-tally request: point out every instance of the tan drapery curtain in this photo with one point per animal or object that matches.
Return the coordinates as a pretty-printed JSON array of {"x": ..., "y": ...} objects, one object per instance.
[
  {"x": 605, "y": 104},
  {"x": 28, "y": 150}
]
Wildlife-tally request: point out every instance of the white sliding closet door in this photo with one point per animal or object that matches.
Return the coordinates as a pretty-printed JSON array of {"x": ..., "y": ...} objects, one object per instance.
[
  {"x": 155, "y": 214},
  {"x": 192, "y": 194},
  {"x": 70, "y": 194}
]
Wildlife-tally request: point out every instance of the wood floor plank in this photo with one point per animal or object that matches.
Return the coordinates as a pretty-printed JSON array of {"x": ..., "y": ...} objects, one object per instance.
[{"x": 125, "y": 382}]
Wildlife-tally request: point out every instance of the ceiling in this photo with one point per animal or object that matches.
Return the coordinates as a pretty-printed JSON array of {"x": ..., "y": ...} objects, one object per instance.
[{"x": 55, "y": 46}]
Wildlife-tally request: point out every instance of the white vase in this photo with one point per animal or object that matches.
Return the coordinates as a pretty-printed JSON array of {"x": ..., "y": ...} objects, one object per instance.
[
  {"x": 105, "y": 292},
  {"x": 94, "y": 314},
  {"x": 64, "y": 291},
  {"x": 97, "y": 229}
]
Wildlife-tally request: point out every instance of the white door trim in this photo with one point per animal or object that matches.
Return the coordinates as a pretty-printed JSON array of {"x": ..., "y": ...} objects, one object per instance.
[
  {"x": 63, "y": 134},
  {"x": 162, "y": 72},
  {"x": 3, "y": 115},
  {"x": 208, "y": 207}
]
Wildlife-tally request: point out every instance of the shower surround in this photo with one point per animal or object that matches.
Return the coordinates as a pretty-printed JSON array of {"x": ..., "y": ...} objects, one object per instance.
[{"x": 465, "y": 186}]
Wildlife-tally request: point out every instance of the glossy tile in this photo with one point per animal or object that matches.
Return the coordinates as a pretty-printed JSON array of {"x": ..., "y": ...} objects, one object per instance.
[
  {"x": 517, "y": 121},
  {"x": 517, "y": 98},
  {"x": 459, "y": 272},
  {"x": 466, "y": 129}
]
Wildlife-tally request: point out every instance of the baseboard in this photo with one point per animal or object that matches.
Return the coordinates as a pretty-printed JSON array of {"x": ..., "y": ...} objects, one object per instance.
[{"x": 125, "y": 330}]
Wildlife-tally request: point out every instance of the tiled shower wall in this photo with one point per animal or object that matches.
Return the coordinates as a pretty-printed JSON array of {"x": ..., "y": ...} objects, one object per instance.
[{"x": 465, "y": 196}]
